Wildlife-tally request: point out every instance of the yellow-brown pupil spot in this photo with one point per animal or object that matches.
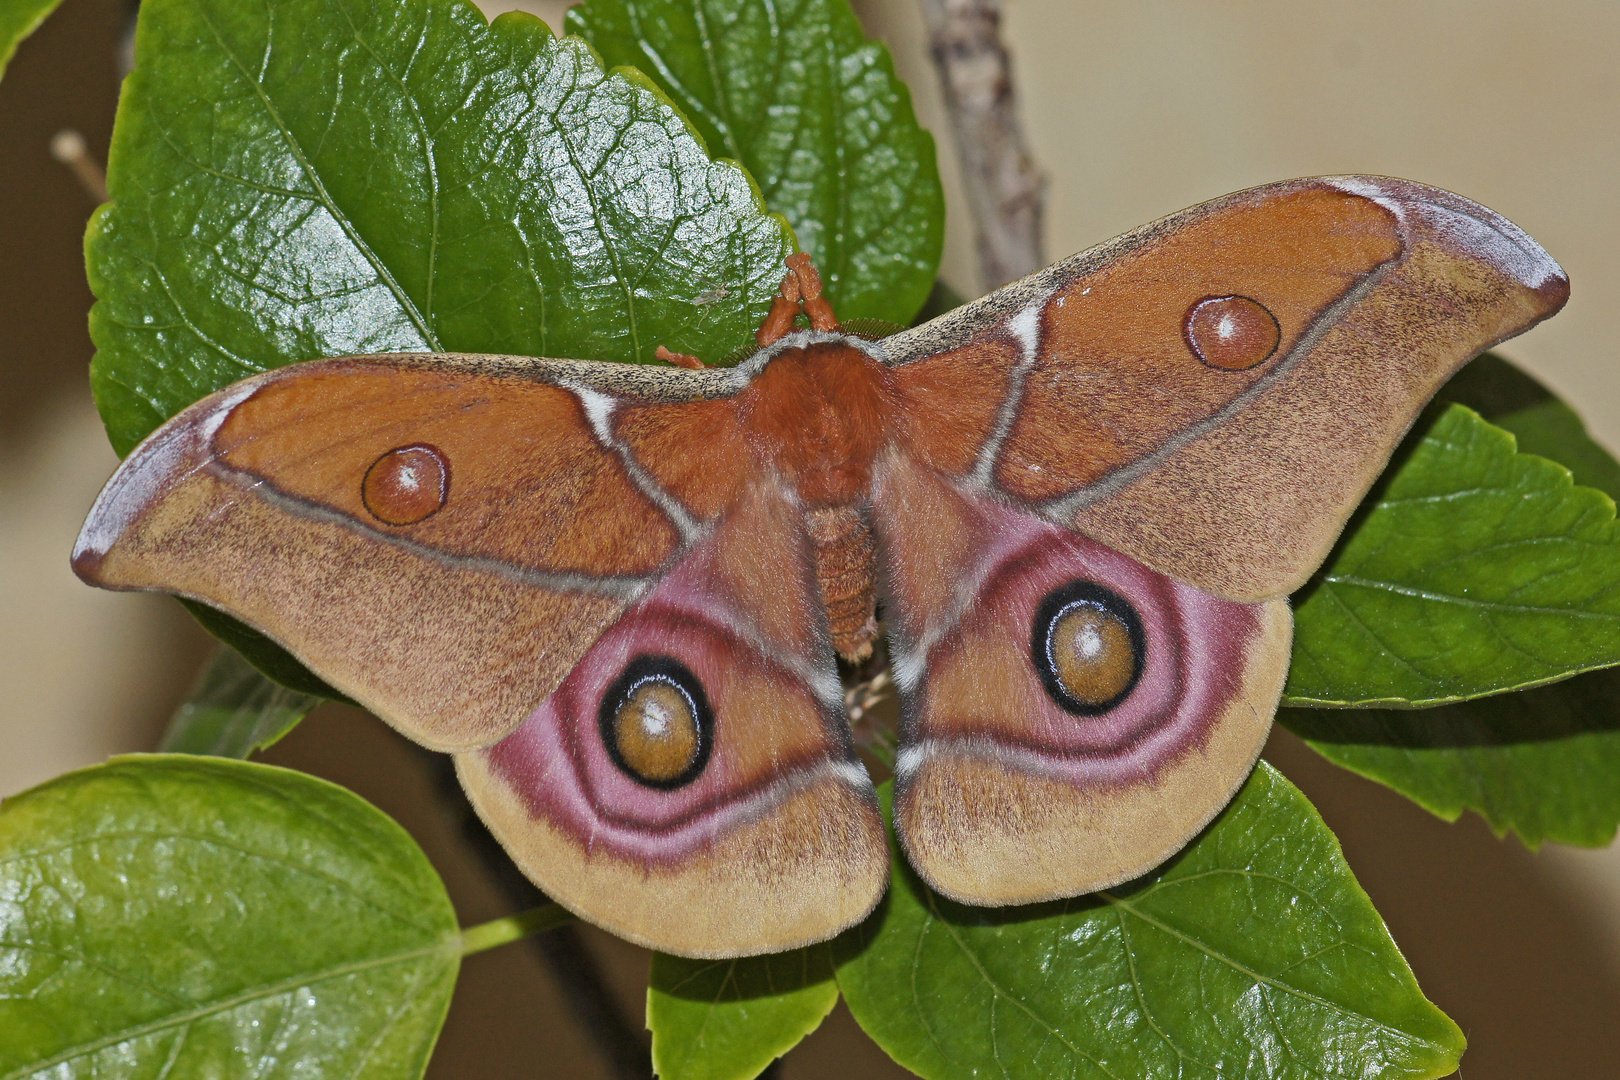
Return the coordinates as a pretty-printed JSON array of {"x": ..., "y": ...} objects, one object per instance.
[
  {"x": 1092, "y": 655},
  {"x": 655, "y": 732},
  {"x": 1088, "y": 645},
  {"x": 406, "y": 485},
  {"x": 1232, "y": 333}
]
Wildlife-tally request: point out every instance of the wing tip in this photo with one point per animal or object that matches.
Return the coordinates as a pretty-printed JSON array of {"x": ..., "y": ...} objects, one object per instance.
[
  {"x": 1465, "y": 228},
  {"x": 176, "y": 449}
]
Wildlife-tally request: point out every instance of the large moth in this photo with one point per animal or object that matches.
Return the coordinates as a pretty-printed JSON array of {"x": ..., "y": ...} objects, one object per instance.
[{"x": 616, "y": 593}]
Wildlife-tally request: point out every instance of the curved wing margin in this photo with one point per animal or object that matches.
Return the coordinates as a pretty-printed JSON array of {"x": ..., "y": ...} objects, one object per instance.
[
  {"x": 1070, "y": 718},
  {"x": 441, "y": 537},
  {"x": 1107, "y": 394}
]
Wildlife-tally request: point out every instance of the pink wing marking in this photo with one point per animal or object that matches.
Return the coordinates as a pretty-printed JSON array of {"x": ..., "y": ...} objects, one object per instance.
[
  {"x": 778, "y": 720},
  {"x": 969, "y": 680}
]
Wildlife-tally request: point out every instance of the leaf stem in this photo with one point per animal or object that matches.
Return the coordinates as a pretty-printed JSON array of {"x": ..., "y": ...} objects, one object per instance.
[{"x": 503, "y": 931}]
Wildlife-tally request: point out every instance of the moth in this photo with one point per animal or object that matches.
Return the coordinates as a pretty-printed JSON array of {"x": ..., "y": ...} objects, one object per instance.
[{"x": 616, "y": 593}]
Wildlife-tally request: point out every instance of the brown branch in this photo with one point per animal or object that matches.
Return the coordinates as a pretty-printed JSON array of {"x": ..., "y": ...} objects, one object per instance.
[{"x": 1005, "y": 191}]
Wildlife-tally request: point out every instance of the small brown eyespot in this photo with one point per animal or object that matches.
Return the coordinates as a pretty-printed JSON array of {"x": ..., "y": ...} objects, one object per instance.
[
  {"x": 406, "y": 485},
  {"x": 1087, "y": 645},
  {"x": 1231, "y": 333},
  {"x": 656, "y": 723}
]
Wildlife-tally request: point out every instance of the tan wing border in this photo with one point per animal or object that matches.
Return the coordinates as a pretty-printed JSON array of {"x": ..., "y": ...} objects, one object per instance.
[
  {"x": 983, "y": 832},
  {"x": 453, "y": 650},
  {"x": 1246, "y": 503}
]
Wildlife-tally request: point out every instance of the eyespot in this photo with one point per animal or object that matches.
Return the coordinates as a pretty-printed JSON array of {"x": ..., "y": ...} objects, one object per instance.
[
  {"x": 406, "y": 485},
  {"x": 1088, "y": 645},
  {"x": 1232, "y": 333},
  {"x": 656, "y": 723}
]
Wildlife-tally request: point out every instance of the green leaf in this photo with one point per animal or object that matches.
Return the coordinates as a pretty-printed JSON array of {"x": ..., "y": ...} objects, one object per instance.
[
  {"x": 321, "y": 177},
  {"x": 1511, "y": 398},
  {"x": 1471, "y": 570},
  {"x": 1544, "y": 764},
  {"x": 178, "y": 917},
  {"x": 729, "y": 1019},
  {"x": 260, "y": 651},
  {"x": 18, "y": 19},
  {"x": 316, "y": 178},
  {"x": 1551, "y": 429},
  {"x": 234, "y": 710},
  {"x": 794, "y": 91},
  {"x": 1253, "y": 953}
]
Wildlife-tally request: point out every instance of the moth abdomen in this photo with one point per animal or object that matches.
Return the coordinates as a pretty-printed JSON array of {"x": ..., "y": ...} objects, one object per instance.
[{"x": 845, "y": 554}]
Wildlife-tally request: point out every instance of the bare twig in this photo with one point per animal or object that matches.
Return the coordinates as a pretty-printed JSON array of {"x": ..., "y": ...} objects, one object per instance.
[
  {"x": 67, "y": 146},
  {"x": 1005, "y": 192}
]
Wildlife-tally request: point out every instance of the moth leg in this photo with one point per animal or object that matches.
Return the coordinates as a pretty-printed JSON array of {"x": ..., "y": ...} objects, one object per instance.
[
  {"x": 801, "y": 291},
  {"x": 679, "y": 359},
  {"x": 784, "y": 309},
  {"x": 816, "y": 306}
]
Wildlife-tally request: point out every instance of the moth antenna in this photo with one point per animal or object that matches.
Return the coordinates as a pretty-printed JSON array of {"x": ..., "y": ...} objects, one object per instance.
[{"x": 679, "y": 359}]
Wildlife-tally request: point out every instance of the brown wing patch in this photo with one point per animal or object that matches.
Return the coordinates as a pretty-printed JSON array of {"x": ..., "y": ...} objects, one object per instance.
[
  {"x": 930, "y": 536},
  {"x": 773, "y": 839},
  {"x": 501, "y": 537},
  {"x": 761, "y": 563},
  {"x": 818, "y": 863},
  {"x": 694, "y": 450},
  {"x": 1007, "y": 802},
  {"x": 1069, "y": 717},
  {"x": 529, "y": 484},
  {"x": 984, "y": 833},
  {"x": 1248, "y": 507},
  {"x": 453, "y": 656},
  {"x": 1116, "y": 375},
  {"x": 952, "y": 400},
  {"x": 1152, "y": 410}
]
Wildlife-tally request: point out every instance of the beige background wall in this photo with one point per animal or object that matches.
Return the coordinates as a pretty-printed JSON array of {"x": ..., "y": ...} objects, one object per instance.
[{"x": 1134, "y": 110}]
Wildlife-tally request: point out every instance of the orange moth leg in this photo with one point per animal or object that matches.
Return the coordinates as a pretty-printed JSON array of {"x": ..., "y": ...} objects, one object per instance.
[
  {"x": 816, "y": 307},
  {"x": 784, "y": 309},
  {"x": 679, "y": 359}
]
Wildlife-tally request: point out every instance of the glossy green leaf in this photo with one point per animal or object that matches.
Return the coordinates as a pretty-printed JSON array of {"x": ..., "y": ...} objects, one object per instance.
[
  {"x": 169, "y": 916},
  {"x": 1551, "y": 429},
  {"x": 1545, "y": 763},
  {"x": 1511, "y": 398},
  {"x": 1253, "y": 953},
  {"x": 729, "y": 1019},
  {"x": 794, "y": 91},
  {"x": 234, "y": 710},
  {"x": 18, "y": 19},
  {"x": 322, "y": 177},
  {"x": 1471, "y": 570}
]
